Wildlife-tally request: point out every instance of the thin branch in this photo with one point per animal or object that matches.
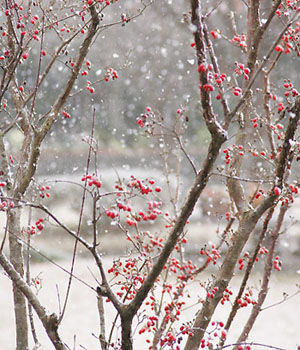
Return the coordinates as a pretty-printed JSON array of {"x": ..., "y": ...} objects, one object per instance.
[
  {"x": 249, "y": 268},
  {"x": 80, "y": 220},
  {"x": 237, "y": 178},
  {"x": 285, "y": 298},
  {"x": 250, "y": 344},
  {"x": 27, "y": 259},
  {"x": 260, "y": 67},
  {"x": 266, "y": 277},
  {"x": 50, "y": 322}
]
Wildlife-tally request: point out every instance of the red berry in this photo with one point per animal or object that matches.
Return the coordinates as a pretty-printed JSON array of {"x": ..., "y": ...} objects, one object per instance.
[{"x": 277, "y": 191}]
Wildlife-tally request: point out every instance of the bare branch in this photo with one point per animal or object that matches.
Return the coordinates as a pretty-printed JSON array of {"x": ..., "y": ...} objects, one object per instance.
[{"x": 49, "y": 321}]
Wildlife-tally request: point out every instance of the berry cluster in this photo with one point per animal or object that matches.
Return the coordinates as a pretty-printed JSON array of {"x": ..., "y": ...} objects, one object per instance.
[
  {"x": 130, "y": 277},
  {"x": 65, "y": 114},
  {"x": 111, "y": 74},
  {"x": 4, "y": 205},
  {"x": 32, "y": 230},
  {"x": 277, "y": 263},
  {"x": 239, "y": 40},
  {"x": 226, "y": 296},
  {"x": 245, "y": 347},
  {"x": 92, "y": 180},
  {"x": 233, "y": 149},
  {"x": 290, "y": 90},
  {"x": 147, "y": 120},
  {"x": 43, "y": 191},
  {"x": 242, "y": 70},
  {"x": 247, "y": 299},
  {"x": 150, "y": 325},
  {"x": 212, "y": 254}
]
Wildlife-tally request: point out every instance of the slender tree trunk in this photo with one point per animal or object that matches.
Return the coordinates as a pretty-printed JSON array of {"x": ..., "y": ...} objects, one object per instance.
[
  {"x": 126, "y": 324},
  {"x": 16, "y": 258}
]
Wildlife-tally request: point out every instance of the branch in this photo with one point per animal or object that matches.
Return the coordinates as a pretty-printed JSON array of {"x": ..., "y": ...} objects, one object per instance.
[
  {"x": 247, "y": 224},
  {"x": 187, "y": 209},
  {"x": 39, "y": 135},
  {"x": 210, "y": 118},
  {"x": 235, "y": 306},
  {"x": 266, "y": 277},
  {"x": 261, "y": 66},
  {"x": 49, "y": 321},
  {"x": 61, "y": 100}
]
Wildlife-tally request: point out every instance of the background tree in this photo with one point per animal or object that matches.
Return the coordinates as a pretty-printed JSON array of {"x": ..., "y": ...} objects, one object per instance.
[{"x": 250, "y": 109}]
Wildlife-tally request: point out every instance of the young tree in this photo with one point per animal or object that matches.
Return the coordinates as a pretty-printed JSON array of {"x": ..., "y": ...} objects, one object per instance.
[{"x": 251, "y": 111}]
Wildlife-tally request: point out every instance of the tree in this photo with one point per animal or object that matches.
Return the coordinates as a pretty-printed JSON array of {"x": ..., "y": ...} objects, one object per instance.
[{"x": 245, "y": 100}]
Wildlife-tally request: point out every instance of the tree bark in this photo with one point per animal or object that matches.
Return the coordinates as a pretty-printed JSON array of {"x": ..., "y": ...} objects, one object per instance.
[
  {"x": 16, "y": 257},
  {"x": 126, "y": 324}
]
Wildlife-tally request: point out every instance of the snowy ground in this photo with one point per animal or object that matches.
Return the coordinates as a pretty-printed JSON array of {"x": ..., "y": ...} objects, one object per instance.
[{"x": 278, "y": 326}]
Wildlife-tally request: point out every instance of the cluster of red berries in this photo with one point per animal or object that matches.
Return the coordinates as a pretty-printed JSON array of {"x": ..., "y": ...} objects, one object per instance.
[
  {"x": 147, "y": 119},
  {"x": 229, "y": 151},
  {"x": 176, "y": 266},
  {"x": 6, "y": 205},
  {"x": 39, "y": 224},
  {"x": 205, "y": 344},
  {"x": 111, "y": 213},
  {"x": 92, "y": 180},
  {"x": 237, "y": 91},
  {"x": 212, "y": 254},
  {"x": 149, "y": 325},
  {"x": 31, "y": 230},
  {"x": 186, "y": 329},
  {"x": 153, "y": 211},
  {"x": 132, "y": 277},
  {"x": 85, "y": 72},
  {"x": 290, "y": 90},
  {"x": 226, "y": 296},
  {"x": 170, "y": 339},
  {"x": 173, "y": 311},
  {"x": 227, "y": 214},
  {"x": 247, "y": 299},
  {"x": 280, "y": 107},
  {"x": 277, "y": 263},
  {"x": 144, "y": 186},
  {"x": 212, "y": 78},
  {"x": 211, "y": 294},
  {"x": 245, "y": 347},
  {"x": 151, "y": 215},
  {"x": 262, "y": 251},
  {"x": 90, "y": 88},
  {"x": 242, "y": 70},
  {"x": 111, "y": 74},
  {"x": 240, "y": 40},
  {"x": 44, "y": 193},
  {"x": 241, "y": 263},
  {"x": 65, "y": 114}
]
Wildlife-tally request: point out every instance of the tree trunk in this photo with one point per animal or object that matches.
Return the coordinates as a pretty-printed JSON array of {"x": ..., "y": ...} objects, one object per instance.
[
  {"x": 126, "y": 323},
  {"x": 16, "y": 258}
]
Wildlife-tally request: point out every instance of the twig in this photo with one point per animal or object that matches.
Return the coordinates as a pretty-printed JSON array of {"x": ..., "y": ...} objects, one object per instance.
[
  {"x": 249, "y": 343},
  {"x": 79, "y": 221},
  {"x": 285, "y": 298},
  {"x": 28, "y": 281},
  {"x": 237, "y": 178}
]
